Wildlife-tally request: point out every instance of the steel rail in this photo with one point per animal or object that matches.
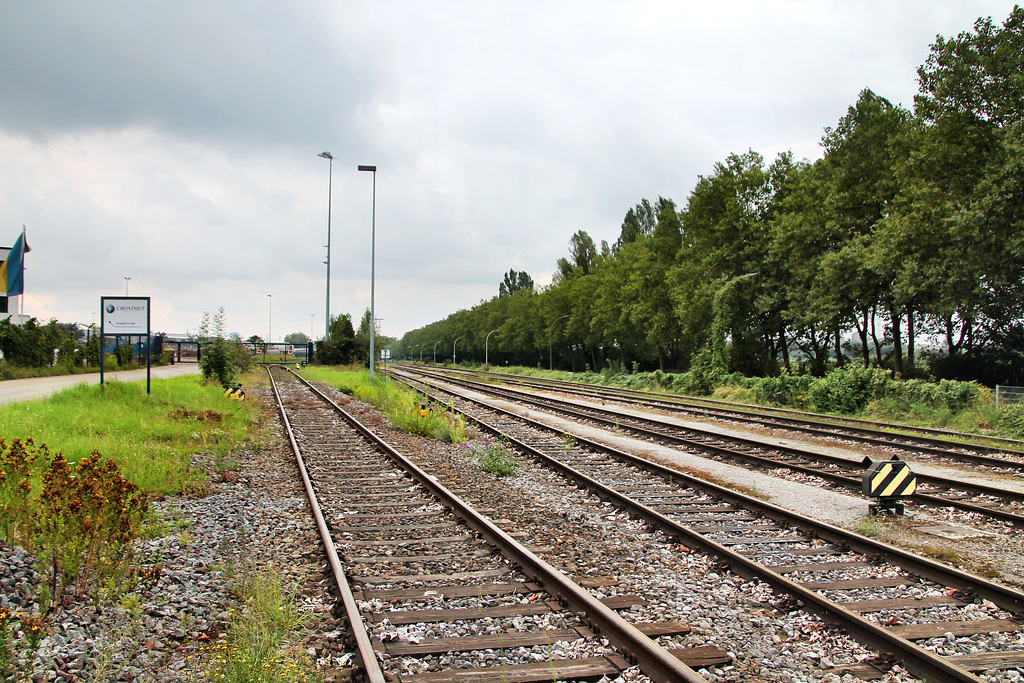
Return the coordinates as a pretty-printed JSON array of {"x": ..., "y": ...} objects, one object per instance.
[
  {"x": 918, "y": 661},
  {"x": 654, "y": 660},
  {"x": 1007, "y": 598},
  {"x": 849, "y": 481},
  {"x": 934, "y": 441},
  {"x": 364, "y": 647}
]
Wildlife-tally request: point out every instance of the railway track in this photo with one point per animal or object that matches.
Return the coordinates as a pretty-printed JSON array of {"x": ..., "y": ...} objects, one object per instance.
[
  {"x": 1002, "y": 504},
  {"x": 989, "y": 451},
  {"x": 941, "y": 623},
  {"x": 433, "y": 590}
]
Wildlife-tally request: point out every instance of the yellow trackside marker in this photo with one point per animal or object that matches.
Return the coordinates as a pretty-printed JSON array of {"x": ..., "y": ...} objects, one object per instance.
[{"x": 888, "y": 481}]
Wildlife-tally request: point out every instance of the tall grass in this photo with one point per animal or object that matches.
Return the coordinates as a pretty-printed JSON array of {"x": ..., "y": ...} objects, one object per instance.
[
  {"x": 151, "y": 438},
  {"x": 261, "y": 641},
  {"x": 401, "y": 404}
]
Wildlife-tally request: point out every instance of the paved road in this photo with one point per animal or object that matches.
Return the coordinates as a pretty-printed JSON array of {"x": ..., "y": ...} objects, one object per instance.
[{"x": 14, "y": 390}]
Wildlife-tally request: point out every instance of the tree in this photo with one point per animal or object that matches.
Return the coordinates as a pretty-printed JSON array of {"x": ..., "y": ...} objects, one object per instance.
[
  {"x": 638, "y": 223},
  {"x": 583, "y": 255},
  {"x": 515, "y": 281},
  {"x": 339, "y": 348},
  {"x": 297, "y": 338},
  {"x": 221, "y": 360},
  {"x": 960, "y": 210}
]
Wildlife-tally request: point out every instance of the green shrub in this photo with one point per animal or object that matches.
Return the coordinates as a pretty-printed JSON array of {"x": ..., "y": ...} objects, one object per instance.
[
  {"x": 494, "y": 457},
  {"x": 849, "y": 389},
  {"x": 702, "y": 377},
  {"x": 785, "y": 390},
  {"x": 1011, "y": 420}
]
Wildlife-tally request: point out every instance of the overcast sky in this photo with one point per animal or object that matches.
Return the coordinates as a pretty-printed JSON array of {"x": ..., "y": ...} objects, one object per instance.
[{"x": 175, "y": 143}]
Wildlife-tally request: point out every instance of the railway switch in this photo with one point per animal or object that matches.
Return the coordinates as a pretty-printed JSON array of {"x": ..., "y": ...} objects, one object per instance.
[{"x": 890, "y": 481}]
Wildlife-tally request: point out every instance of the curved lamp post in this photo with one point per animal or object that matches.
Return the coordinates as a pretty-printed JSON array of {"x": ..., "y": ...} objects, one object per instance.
[
  {"x": 453, "y": 349},
  {"x": 373, "y": 230},
  {"x": 550, "y": 333},
  {"x": 485, "y": 345},
  {"x": 435, "y": 350},
  {"x": 414, "y": 351}
]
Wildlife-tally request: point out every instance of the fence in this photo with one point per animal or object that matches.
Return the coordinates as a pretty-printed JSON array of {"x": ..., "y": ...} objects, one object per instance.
[{"x": 1009, "y": 394}]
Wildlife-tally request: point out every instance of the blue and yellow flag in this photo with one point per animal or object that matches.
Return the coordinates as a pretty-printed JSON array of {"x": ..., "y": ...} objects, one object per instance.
[{"x": 12, "y": 270}]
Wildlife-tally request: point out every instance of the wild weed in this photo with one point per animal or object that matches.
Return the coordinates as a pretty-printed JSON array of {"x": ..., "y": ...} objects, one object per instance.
[{"x": 495, "y": 457}]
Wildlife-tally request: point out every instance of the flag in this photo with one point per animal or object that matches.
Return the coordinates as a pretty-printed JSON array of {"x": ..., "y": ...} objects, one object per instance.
[{"x": 11, "y": 270}]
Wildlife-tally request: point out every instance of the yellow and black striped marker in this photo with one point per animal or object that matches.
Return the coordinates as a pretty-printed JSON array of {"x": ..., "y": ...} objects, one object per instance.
[
  {"x": 235, "y": 393},
  {"x": 424, "y": 409},
  {"x": 889, "y": 481}
]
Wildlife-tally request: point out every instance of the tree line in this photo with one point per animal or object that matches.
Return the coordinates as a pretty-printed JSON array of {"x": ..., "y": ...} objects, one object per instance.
[{"x": 902, "y": 247}]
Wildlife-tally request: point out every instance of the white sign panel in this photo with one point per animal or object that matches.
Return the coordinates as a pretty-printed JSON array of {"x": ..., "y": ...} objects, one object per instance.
[{"x": 125, "y": 315}]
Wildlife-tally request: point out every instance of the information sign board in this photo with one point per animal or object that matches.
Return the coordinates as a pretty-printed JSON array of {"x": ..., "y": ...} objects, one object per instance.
[{"x": 125, "y": 315}]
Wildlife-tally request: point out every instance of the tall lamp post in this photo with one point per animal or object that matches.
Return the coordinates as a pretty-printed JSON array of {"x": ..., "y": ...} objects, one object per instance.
[
  {"x": 310, "y": 327},
  {"x": 453, "y": 349},
  {"x": 551, "y": 365},
  {"x": 126, "y": 279},
  {"x": 485, "y": 346},
  {"x": 373, "y": 231},
  {"x": 330, "y": 176},
  {"x": 435, "y": 350},
  {"x": 422, "y": 346},
  {"x": 270, "y": 318}
]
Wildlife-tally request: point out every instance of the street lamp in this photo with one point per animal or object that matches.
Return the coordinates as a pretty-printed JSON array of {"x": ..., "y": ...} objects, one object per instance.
[
  {"x": 373, "y": 231},
  {"x": 551, "y": 365},
  {"x": 330, "y": 175},
  {"x": 453, "y": 349},
  {"x": 435, "y": 350},
  {"x": 422, "y": 346},
  {"x": 270, "y": 318},
  {"x": 485, "y": 345},
  {"x": 126, "y": 285},
  {"x": 310, "y": 327},
  {"x": 413, "y": 347}
]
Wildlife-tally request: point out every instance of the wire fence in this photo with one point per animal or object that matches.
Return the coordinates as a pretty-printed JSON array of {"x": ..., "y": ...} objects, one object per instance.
[{"x": 1006, "y": 394}]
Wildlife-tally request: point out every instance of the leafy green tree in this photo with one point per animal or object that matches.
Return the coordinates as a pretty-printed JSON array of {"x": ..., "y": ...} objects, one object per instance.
[
  {"x": 725, "y": 236},
  {"x": 340, "y": 346},
  {"x": 221, "y": 360},
  {"x": 638, "y": 223},
  {"x": 515, "y": 281},
  {"x": 960, "y": 210},
  {"x": 297, "y": 338}
]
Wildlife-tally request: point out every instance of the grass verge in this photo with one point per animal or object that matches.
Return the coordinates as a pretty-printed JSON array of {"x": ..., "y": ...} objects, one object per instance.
[{"x": 150, "y": 437}]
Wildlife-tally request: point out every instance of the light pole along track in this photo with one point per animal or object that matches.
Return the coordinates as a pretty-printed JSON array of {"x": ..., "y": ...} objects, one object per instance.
[
  {"x": 652, "y": 659},
  {"x": 918, "y": 660},
  {"x": 934, "y": 491}
]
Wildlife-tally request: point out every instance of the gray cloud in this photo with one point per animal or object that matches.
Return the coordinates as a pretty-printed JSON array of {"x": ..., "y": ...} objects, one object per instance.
[{"x": 176, "y": 143}]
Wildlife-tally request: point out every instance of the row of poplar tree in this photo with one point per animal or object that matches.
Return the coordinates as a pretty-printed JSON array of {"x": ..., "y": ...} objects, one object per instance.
[{"x": 903, "y": 246}]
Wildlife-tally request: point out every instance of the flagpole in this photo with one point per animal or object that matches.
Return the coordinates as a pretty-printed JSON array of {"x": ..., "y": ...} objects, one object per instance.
[{"x": 24, "y": 244}]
